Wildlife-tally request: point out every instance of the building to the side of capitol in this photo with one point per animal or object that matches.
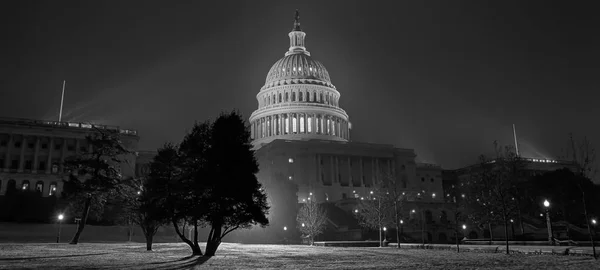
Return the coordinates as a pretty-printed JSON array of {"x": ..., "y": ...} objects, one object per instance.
[{"x": 32, "y": 152}]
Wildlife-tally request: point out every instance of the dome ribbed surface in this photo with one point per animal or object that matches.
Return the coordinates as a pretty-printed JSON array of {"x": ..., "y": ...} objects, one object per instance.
[{"x": 297, "y": 66}]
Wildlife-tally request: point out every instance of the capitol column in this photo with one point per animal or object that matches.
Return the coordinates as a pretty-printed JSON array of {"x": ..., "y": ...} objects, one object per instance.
[
  {"x": 298, "y": 123},
  {"x": 362, "y": 173},
  {"x": 63, "y": 154},
  {"x": 49, "y": 160},
  {"x": 350, "y": 172},
  {"x": 22, "y": 155},
  {"x": 35, "y": 155},
  {"x": 7, "y": 155}
]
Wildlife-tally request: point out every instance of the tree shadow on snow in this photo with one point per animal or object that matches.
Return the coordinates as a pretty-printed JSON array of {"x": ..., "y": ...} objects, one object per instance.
[
  {"x": 185, "y": 262},
  {"x": 51, "y": 257}
]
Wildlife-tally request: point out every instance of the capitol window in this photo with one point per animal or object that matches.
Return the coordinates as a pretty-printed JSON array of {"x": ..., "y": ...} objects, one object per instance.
[
  {"x": 309, "y": 124},
  {"x": 302, "y": 124},
  {"x": 300, "y": 96},
  {"x": 287, "y": 97},
  {"x": 293, "y": 96},
  {"x": 294, "y": 124}
]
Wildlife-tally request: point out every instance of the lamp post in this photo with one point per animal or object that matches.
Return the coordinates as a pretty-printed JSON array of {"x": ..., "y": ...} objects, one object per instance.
[
  {"x": 593, "y": 221},
  {"x": 401, "y": 231},
  {"x": 548, "y": 222},
  {"x": 60, "y": 218},
  {"x": 384, "y": 234},
  {"x": 512, "y": 226},
  {"x": 464, "y": 227}
]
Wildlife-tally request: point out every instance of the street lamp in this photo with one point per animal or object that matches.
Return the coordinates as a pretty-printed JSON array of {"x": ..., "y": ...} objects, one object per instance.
[
  {"x": 512, "y": 227},
  {"x": 592, "y": 238},
  {"x": 464, "y": 227},
  {"x": 384, "y": 234},
  {"x": 548, "y": 222},
  {"x": 284, "y": 228},
  {"x": 60, "y": 218}
]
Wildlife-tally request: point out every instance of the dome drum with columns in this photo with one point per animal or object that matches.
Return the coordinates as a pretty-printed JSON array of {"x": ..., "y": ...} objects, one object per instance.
[{"x": 298, "y": 101}]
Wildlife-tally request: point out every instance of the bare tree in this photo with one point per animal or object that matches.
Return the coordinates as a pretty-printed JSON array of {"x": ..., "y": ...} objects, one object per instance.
[
  {"x": 394, "y": 198},
  {"x": 312, "y": 220},
  {"x": 492, "y": 189},
  {"x": 374, "y": 211}
]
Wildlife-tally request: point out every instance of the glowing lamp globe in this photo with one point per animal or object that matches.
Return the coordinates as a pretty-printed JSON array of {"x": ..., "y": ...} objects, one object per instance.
[{"x": 546, "y": 203}]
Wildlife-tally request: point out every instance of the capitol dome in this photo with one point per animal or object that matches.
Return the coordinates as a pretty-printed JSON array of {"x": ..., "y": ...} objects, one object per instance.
[
  {"x": 298, "y": 100},
  {"x": 297, "y": 66}
]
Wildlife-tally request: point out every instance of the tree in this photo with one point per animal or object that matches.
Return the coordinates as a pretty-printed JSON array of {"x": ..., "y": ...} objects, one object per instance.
[
  {"x": 151, "y": 208},
  {"x": 492, "y": 189},
  {"x": 95, "y": 176},
  {"x": 235, "y": 199},
  {"x": 186, "y": 195},
  {"x": 394, "y": 198},
  {"x": 312, "y": 220},
  {"x": 374, "y": 211}
]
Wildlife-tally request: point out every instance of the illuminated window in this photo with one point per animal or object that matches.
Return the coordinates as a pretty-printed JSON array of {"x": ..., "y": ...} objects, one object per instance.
[
  {"x": 269, "y": 126},
  {"x": 302, "y": 123},
  {"x": 309, "y": 124},
  {"x": 294, "y": 124},
  {"x": 52, "y": 189},
  {"x": 328, "y": 127},
  {"x": 276, "y": 124},
  {"x": 294, "y": 68},
  {"x": 262, "y": 126},
  {"x": 299, "y": 68},
  {"x": 290, "y": 177},
  {"x": 291, "y": 160},
  {"x": 39, "y": 186},
  {"x": 334, "y": 127},
  {"x": 318, "y": 122},
  {"x": 287, "y": 125},
  {"x": 25, "y": 185}
]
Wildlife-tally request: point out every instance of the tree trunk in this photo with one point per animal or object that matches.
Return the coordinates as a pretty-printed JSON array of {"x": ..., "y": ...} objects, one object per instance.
[
  {"x": 491, "y": 233},
  {"x": 214, "y": 241},
  {"x": 196, "y": 251},
  {"x": 149, "y": 237},
  {"x": 81, "y": 225},
  {"x": 398, "y": 235},
  {"x": 506, "y": 234}
]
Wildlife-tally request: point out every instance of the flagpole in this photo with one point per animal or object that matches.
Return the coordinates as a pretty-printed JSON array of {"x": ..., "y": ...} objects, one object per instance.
[
  {"x": 62, "y": 98},
  {"x": 515, "y": 135}
]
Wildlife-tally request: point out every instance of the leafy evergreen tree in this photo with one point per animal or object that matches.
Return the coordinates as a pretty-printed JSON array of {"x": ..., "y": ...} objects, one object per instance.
[{"x": 95, "y": 176}]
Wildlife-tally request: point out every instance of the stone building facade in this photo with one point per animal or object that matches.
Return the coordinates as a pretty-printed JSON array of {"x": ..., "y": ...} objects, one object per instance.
[{"x": 32, "y": 152}]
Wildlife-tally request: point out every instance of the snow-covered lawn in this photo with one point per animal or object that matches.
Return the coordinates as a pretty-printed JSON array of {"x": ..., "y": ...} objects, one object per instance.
[{"x": 241, "y": 256}]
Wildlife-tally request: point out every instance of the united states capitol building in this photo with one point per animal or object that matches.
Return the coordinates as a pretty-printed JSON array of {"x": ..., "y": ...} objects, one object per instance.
[{"x": 301, "y": 135}]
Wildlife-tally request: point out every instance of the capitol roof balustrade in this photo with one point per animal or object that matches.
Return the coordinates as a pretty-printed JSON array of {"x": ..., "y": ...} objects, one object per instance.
[{"x": 74, "y": 125}]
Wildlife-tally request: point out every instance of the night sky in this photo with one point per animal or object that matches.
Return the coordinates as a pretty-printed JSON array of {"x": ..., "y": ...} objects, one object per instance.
[{"x": 445, "y": 78}]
